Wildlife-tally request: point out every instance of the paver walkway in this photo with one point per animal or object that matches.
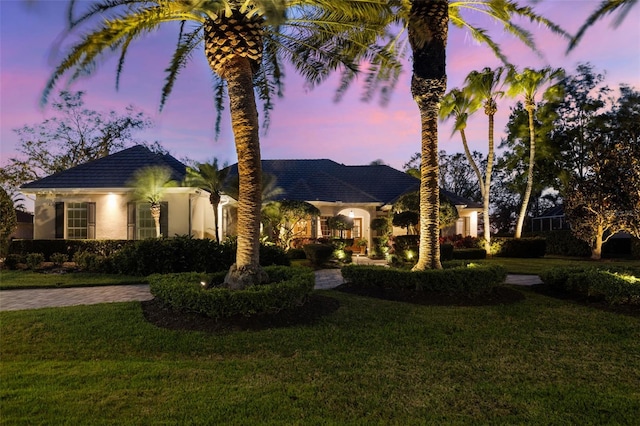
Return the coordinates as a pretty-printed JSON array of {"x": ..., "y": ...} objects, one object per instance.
[{"x": 14, "y": 300}]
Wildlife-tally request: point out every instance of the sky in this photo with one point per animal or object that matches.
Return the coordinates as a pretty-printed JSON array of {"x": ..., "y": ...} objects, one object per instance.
[{"x": 305, "y": 124}]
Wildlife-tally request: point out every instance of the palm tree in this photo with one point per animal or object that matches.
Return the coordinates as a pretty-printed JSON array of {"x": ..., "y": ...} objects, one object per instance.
[
  {"x": 150, "y": 184},
  {"x": 486, "y": 85},
  {"x": 606, "y": 7},
  {"x": 527, "y": 83},
  {"x": 460, "y": 105},
  {"x": 210, "y": 178},
  {"x": 427, "y": 22},
  {"x": 245, "y": 43}
]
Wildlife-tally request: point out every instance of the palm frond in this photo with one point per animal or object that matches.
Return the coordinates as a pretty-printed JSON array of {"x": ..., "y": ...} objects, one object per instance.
[{"x": 606, "y": 7}]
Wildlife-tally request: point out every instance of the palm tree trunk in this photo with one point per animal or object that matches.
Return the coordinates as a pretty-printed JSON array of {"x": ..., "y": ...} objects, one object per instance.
[
  {"x": 487, "y": 188},
  {"x": 532, "y": 156},
  {"x": 214, "y": 199},
  {"x": 472, "y": 162},
  {"x": 428, "y": 32},
  {"x": 244, "y": 121},
  {"x": 155, "y": 214}
]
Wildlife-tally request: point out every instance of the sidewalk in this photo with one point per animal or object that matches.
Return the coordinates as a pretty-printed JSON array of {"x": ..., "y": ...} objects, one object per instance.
[{"x": 14, "y": 300}]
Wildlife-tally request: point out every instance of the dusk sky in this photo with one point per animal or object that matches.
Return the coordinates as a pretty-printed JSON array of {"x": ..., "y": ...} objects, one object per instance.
[{"x": 305, "y": 123}]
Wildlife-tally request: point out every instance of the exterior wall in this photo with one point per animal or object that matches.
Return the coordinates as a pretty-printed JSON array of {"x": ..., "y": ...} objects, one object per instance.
[{"x": 186, "y": 212}]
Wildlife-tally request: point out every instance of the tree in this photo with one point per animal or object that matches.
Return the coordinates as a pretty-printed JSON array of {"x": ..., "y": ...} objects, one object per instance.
[
  {"x": 150, "y": 185},
  {"x": 210, "y": 178},
  {"x": 528, "y": 83},
  {"x": 287, "y": 220},
  {"x": 407, "y": 220},
  {"x": 607, "y": 6},
  {"x": 605, "y": 197},
  {"x": 340, "y": 223},
  {"x": 74, "y": 135},
  {"x": 457, "y": 176},
  {"x": 8, "y": 221},
  {"x": 245, "y": 43},
  {"x": 427, "y": 23},
  {"x": 486, "y": 86}
]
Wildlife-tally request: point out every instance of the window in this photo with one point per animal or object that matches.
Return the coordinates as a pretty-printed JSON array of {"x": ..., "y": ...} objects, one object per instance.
[
  {"x": 76, "y": 221},
  {"x": 140, "y": 224},
  {"x": 145, "y": 225}
]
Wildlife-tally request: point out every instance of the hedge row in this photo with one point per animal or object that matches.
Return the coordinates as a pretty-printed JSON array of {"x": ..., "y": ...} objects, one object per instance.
[
  {"x": 145, "y": 257},
  {"x": 468, "y": 280},
  {"x": 520, "y": 247},
  {"x": 615, "y": 286},
  {"x": 289, "y": 288}
]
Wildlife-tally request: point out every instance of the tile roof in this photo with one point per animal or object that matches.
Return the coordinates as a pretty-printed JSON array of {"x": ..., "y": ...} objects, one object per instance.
[{"x": 113, "y": 171}]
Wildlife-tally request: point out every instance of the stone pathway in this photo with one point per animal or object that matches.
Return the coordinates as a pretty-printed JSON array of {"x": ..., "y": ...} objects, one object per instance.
[{"x": 13, "y": 300}]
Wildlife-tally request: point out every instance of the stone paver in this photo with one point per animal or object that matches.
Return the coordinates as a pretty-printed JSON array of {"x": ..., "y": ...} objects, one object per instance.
[{"x": 13, "y": 300}]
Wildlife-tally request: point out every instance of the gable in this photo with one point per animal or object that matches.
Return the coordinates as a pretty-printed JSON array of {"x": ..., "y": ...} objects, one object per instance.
[{"x": 113, "y": 171}]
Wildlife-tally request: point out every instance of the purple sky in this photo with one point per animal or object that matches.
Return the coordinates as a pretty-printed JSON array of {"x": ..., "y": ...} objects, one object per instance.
[{"x": 305, "y": 124}]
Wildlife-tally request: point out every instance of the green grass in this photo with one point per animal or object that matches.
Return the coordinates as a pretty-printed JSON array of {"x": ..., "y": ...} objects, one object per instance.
[
  {"x": 537, "y": 265},
  {"x": 540, "y": 361},
  {"x": 30, "y": 279}
]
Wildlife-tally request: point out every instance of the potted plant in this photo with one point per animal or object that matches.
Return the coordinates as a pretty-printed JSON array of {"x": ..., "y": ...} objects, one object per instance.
[{"x": 362, "y": 243}]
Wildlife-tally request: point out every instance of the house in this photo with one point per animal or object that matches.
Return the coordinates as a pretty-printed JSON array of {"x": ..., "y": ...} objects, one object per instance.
[
  {"x": 24, "y": 228},
  {"x": 362, "y": 193},
  {"x": 95, "y": 201}
]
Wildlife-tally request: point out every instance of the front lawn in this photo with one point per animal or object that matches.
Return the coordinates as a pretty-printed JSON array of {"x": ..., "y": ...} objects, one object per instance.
[
  {"x": 536, "y": 266},
  {"x": 29, "y": 279},
  {"x": 538, "y": 361}
]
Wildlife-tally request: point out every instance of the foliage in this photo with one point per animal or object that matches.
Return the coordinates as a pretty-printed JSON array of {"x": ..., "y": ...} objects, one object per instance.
[
  {"x": 12, "y": 261},
  {"x": 518, "y": 247},
  {"x": 407, "y": 220},
  {"x": 468, "y": 280},
  {"x": 457, "y": 175},
  {"x": 283, "y": 218},
  {"x": 381, "y": 225},
  {"x": 90, "y": 262},
  {"x": 340, "y": 223},
  {"x": 469, "y": 253},
  {"x": 564, "y": 243},
  {"x": 446, "y": 252},
  {"x": 8, "y": 221},
  {"x": 318, "y": 254},
  {"x": 73, "y": 136},
  {"x": 290, "y": 288},
  {"x": 34, "y": 260},
  {"x": 604, "y": 8},
  {"x": 58, "y": 258},
  {"x": 211, "y": 178},
  {"x": 69, "y": 247},
  {"x": 614, "y": 286}
]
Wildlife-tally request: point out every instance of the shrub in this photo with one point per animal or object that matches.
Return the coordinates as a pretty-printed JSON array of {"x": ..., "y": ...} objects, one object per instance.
[
  {"x": 446, "y": 252},
  {"x": 564, "y": 243},
  {"x": 296, "y": 253},
  {"x": 12, "y": 260},
  {"x": 290, "y": 287},
  {"x": 635, "y": 248},
  {"x": 468, "y": 253},
  {"x": 34, "y": 260},
  {"x": 469, "y": 280},
  {"x": 88, "y": 261},
  {"x": 58, "y": 258},
  {"x": 614, "y": 286},
  {"x": 518, "y": 247},
  {"x": 318, "y": 254}
]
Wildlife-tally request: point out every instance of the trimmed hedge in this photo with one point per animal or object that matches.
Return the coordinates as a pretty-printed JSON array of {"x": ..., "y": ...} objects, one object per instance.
[
  {"x": 518, "y": 247},
  {"x": 69, "y": 247},
  {"x": 467, "y": 253},
  {"x": 468, "y": 280},
  {"x": 289, "y": 288},
  {"x": 615, "y": 286},
  {"x": 318, "y": 254}
]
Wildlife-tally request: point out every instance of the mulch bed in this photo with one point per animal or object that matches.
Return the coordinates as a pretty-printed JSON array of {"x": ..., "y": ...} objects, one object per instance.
[{"x": 596, "y": 303}]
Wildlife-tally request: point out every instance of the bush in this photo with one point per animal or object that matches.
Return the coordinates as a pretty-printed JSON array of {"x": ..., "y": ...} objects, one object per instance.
[
  {"x": 89, "y": 261},
  {"x": 469, "y": 280},
  {"x": 318, "y": 254},
  {"x": 469, "y": 253},
  {"x": 58, "y": 258},
  {"x": 296, "y": 253},
  {"x": 614, "y": 286},
  {"x": 290, "y": 287},
  {"x": 69, "y": 247},
  {"x": 518, "y": 247},
  {"x": 34, "y": 260},
  {"x": 12, "y": 260},
  {"x": 446, "y": 252},
  {"x": 635, "y": 248},
  {"x": 564, "y": 243}
]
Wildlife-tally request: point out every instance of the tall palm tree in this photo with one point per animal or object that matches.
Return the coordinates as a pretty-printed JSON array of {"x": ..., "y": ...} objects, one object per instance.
[
  {"x": 528, "y": 83},
  {"x": 209, "y": 177},
  {"x": 607, "y": 6},
  {"x": 150, "y": 184},
  {"x": 486, "y": 85},
  {"x": 245, "y": 43},
  {"x": 427, "y": 23}
]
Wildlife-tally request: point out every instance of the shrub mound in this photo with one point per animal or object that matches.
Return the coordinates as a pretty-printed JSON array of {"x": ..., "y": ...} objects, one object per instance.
[
  {"x": 468, "y": 280},
  {"x": 616, "y": 287},
  {"x": 289, "y": 287}
]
